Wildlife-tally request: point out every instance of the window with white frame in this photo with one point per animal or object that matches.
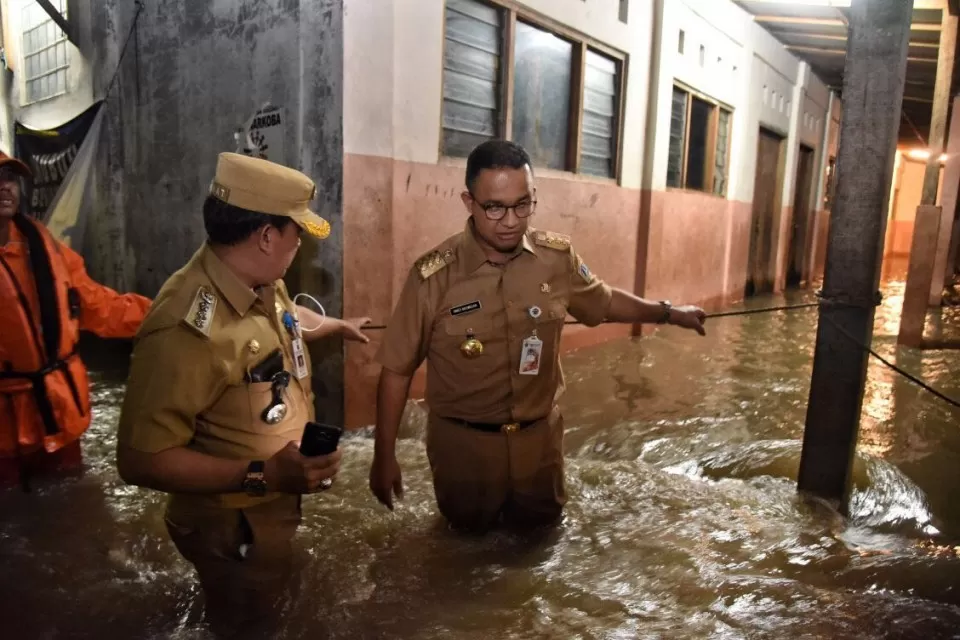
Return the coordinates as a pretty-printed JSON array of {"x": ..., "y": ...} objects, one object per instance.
[{"x": 44, "y": 52}]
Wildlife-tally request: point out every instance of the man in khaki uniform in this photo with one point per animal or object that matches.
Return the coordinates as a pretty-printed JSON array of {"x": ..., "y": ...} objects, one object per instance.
[
  {"x": 219, "y": 393},
  {"x": 486, "y": 309}
]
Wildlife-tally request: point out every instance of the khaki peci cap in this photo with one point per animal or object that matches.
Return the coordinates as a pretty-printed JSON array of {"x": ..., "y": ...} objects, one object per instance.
[{"x": 267, "y": 187}]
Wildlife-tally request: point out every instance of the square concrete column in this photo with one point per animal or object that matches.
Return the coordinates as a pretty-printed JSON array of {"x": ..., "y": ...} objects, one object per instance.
[
  {"x": 946, "y": 243},
  {"x": 321, "y": 157},
  {"x": 872, "y": 97},
  {"x": 920, "y": 275}
]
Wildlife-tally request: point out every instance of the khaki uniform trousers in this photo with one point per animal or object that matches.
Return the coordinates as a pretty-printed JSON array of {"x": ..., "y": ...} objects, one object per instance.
[
  {"x": 243, "y": 557},
  {"x": 482, "y": 478}
]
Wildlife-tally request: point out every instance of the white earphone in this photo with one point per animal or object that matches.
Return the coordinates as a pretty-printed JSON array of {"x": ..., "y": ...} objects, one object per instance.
[{"x": 323, "y": 312}]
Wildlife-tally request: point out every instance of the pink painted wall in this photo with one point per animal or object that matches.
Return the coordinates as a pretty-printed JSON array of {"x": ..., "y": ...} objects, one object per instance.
[
  {"x": 818, "y": 258},
  {"x": 907, "y": 193},
  {"x": 697, "y": 249}
]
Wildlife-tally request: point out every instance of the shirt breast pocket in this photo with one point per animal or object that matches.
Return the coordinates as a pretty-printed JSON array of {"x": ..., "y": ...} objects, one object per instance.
[
  {"x": 462, "y": 327},
  {"x": 550, "y": 324},
  {"x": 467, "y": 343},
  {"x": 245, "y": 407},
  {"x": 556, "y": 311}
]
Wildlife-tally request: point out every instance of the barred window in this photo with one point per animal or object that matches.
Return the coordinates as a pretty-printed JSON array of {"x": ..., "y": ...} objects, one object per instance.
[
  {"x": 553, "y": 91},
  {"x": 44, "y": 53},
  {"x": 471, "y": 76},
  {"x": 721, "y": 171},
  {"x": 601, "y": 101},
  {"x": 678, "y": 133},
  {"x": 699, "y": 148}
]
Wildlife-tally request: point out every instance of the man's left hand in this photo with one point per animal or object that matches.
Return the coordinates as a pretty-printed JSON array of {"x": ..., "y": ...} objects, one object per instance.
[
  {"x": 689, "y": 317},
  {"x": 351, "y": 329}
]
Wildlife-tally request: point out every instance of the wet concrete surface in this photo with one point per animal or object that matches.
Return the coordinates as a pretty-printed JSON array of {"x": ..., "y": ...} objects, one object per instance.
[{"x": 683, "y": 522}]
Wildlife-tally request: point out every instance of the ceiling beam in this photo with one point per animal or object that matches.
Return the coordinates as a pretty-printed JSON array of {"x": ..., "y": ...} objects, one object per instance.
[
  {"x": 934, "y": 5},
  {"x": 845, "y": 4},
  {"x": 843, "y": 52},
  {"x": 833, "y": 22},
  {"x": 827, "y": 36}
]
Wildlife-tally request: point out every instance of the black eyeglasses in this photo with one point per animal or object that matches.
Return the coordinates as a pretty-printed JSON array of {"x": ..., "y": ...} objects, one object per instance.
[
  {"x": 497, "y": 211},
  {"x": 276, "y": 411}
]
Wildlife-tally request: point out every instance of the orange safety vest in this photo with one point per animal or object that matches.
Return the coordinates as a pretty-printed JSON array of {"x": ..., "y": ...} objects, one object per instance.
[{"x": 43, "y": 381}]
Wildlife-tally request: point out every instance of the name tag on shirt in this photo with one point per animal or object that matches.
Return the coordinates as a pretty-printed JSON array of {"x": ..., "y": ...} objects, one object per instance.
[
  {"x": 530, "y": 354},
  {"x": 466, "y": 308}
]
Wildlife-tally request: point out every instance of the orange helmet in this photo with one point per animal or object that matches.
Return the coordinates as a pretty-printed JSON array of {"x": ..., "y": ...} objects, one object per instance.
[{"x": 15, "y": 165}]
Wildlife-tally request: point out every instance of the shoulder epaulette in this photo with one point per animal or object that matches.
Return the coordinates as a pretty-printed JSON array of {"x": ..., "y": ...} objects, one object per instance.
[
  {"x": 557, "y": 241},
  {"x": 434, "y": 262},
  {"x": 200, "y": 316}
]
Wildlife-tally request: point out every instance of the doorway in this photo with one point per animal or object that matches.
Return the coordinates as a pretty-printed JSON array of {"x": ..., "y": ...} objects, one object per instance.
[
  {"x": 766, "y": 207},
  {"x": 800, "y": 229}
]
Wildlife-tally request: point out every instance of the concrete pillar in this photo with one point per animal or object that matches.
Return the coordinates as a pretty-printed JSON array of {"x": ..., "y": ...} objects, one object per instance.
[
  {"x": 816, "y": 208},
  {"x": 943, "y": 265},
  {"x": 923, "y": 250},
  {"x": 321, "y": 157},
  {"x": 788, "y": 197},
  {"x": 951, "y": 265},
  {"x": 916, "y": 295},
  {"x": 872, "y": 96},
  {"x": 106, "y": 243}
]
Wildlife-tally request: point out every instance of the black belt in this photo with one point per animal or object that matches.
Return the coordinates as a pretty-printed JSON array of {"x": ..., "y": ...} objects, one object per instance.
[
  {"x": 495, "y": 427},
  {"x": 38, "y": 380}
]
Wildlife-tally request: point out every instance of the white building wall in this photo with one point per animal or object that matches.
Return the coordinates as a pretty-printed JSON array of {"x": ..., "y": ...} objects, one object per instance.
[
  {"x": 393, "y": 102},
  {"x": 747, "y": 69},
  {"x": 394, "y": 74},
  {"x": 368, "y": 63}
]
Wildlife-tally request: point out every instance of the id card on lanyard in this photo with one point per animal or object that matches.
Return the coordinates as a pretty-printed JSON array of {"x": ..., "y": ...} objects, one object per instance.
[
  {"x": 299, "y": 359},
  {"x": 292, "y": 322}
]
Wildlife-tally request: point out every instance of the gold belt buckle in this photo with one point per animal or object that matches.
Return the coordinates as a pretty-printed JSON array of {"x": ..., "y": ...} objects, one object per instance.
[{"x": 510, "y": 427}]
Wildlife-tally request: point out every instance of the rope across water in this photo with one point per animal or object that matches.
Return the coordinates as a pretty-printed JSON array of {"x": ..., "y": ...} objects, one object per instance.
[{"x": 794, "y": 307}]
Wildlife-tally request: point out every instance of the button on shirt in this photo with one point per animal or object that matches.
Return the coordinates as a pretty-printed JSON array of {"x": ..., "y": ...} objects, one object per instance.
[{"x": 498, "y": 305}]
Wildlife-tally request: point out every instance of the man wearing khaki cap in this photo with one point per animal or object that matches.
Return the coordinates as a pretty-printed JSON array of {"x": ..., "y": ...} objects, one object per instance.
[{"x": 219, "y": 392}]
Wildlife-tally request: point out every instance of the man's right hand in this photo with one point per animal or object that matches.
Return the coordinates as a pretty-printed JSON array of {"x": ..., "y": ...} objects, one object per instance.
[
  {"x": 289, "y": 471},
  {"x": 385, "y": 479}
]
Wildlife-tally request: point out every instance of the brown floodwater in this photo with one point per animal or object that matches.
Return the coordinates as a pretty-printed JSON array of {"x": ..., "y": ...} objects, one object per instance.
[{"x": 683, "y": 521}]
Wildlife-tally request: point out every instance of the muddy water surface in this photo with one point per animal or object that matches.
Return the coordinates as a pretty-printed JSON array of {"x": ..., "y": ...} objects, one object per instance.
[{"x": 683, "y": 522}]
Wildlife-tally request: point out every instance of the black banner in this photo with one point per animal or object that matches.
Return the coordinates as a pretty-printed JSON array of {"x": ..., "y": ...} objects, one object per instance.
[{"x": 49, "y": 153}]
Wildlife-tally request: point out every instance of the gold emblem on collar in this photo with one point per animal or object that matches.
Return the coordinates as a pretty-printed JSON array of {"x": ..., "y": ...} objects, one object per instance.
[
  {"x": 556, "y": 241},
  {"x": 200, "y": 316},
  {"x": 433, "y": 262}
]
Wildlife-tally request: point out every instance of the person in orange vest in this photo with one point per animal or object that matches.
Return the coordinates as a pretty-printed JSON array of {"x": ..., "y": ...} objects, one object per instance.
[{"x": 46, "y": 299}]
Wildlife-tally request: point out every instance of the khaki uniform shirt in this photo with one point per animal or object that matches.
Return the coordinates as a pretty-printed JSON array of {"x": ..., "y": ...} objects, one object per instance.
[
  {"x": 186, "y": 387},
  {"x": 454, "y": 292}
]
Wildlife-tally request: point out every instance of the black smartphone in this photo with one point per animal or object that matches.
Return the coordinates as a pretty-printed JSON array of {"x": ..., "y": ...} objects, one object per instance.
[
  {"x": 319, "y": 439},
  {"x": 264, "y": 370}
]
